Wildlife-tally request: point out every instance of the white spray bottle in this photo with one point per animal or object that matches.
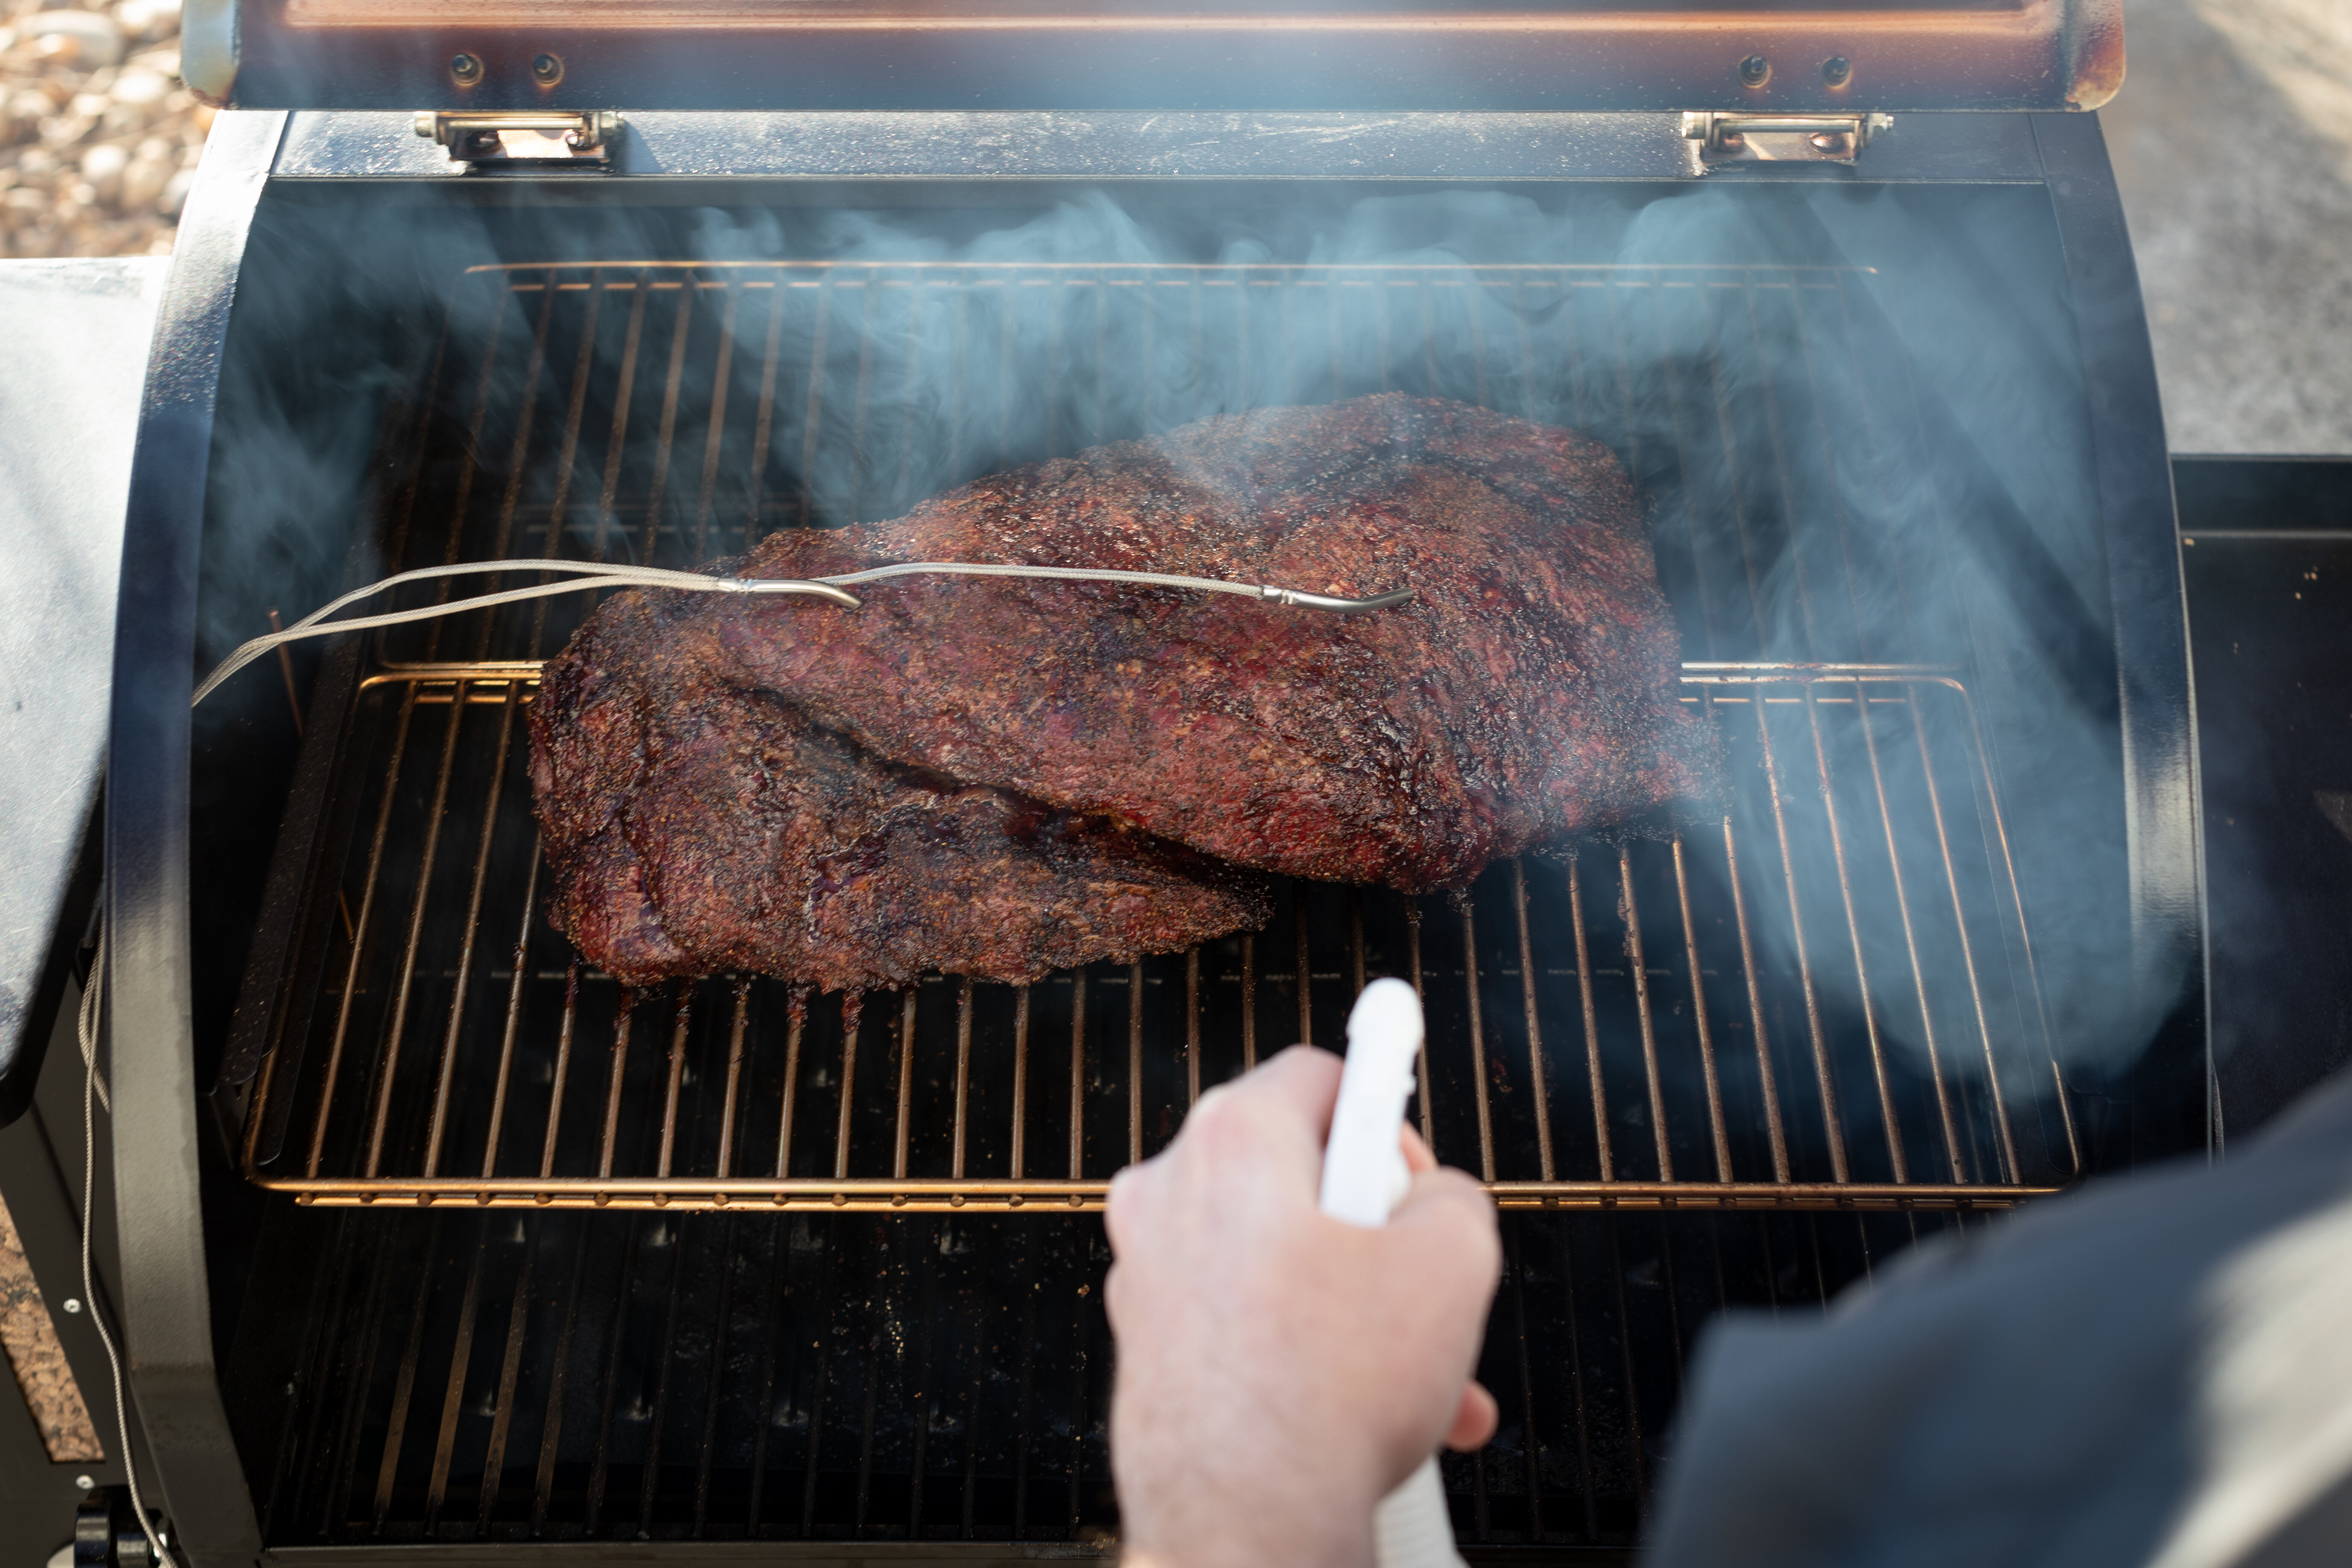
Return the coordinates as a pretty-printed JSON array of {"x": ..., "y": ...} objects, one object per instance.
[{"x": 1364, "y": 1175}]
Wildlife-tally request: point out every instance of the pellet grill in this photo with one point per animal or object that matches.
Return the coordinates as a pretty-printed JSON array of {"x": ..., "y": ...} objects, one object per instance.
[{"x": 437, "y": 1245}]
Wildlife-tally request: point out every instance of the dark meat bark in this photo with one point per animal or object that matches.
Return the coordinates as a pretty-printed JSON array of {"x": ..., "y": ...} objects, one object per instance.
[
  {"x": 1527, "y": 692},
  {"x": 695, "y": 827}
]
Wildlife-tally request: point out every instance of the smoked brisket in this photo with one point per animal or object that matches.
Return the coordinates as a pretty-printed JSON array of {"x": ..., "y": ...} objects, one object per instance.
[
  {"x": 695, "y": 827},
  {"x": 998, "y": 776},
  {"x": 1527, "y": 691}
]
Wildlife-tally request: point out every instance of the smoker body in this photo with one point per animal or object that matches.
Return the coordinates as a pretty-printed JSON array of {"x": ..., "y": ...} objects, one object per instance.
[{"x": 297, "y": 1424}]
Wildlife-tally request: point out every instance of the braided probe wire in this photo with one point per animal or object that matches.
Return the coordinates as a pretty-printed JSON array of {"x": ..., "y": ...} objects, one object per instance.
[{"x": 602, "y": 575}]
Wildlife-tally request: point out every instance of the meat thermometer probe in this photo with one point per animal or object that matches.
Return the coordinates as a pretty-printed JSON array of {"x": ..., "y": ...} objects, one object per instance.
[{"x": 1364, "y": 1175}]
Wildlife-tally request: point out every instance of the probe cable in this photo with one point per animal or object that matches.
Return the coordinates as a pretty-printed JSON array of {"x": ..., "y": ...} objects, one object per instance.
[{"x": 606, "y": 575}]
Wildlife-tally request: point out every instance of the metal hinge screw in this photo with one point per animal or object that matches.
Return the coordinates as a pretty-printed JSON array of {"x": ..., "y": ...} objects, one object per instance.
[
  {"x": 1755, "y": 71},
  {"x": 72, "y": 1306},
  {"x": 465, "y": 70}
]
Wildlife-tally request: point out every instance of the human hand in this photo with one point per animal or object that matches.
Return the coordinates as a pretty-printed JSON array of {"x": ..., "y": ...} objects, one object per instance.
[{"x": 1280, "y": 1371}]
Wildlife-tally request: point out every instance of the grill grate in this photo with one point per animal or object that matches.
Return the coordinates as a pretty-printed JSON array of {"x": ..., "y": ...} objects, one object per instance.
[
  {"x": 812, "y": 1319},
  {"x": 1826, "y": 998},
  {"x": 1599, "y": 1032}
]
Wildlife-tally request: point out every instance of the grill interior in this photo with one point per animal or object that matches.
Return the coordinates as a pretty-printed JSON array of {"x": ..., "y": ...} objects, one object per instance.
[
  {"x": 1725, "y": 1015},
  {"x": 1825, "y": 1007}
]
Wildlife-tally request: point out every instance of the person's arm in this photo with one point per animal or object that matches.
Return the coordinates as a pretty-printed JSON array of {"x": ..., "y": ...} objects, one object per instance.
[{"x": 1280, "y": 1371}]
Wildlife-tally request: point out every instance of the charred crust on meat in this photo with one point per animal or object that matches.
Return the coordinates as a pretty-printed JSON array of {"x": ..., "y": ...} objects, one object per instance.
[{"x": 999, "y": 776}]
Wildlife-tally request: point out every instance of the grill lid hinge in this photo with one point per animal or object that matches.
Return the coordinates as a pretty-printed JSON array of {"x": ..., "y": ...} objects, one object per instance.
[
  {"x": 1730, "y": 138},
  {"x": 491, "y": 137}
]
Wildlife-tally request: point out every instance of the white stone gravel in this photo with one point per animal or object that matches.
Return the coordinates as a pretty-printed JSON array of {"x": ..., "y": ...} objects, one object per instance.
[
  {"x": 2233, "y": 142},
  {"x": 96, "y": 134}
]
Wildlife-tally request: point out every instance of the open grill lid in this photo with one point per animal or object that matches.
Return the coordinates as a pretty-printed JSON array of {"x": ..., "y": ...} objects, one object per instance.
[{"x": 1351, "y": 55}]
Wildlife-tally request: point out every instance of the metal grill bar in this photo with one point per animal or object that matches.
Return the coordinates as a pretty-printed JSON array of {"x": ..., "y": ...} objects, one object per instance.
[
  {"x": 657, "y": 492},
  {"x": 1420, "y": 1062},
  {"x": 1249, "y": 1003},
  {"x": 906, "y": 1084},
  {"x": 1719, "y": 1134},
  {"x": 1135, "y": 1064},
  {"x": 1768, "y": 1091},
  {"x": 796, "y": 1014},
  {"x": 1303, "y": 981},
  {"x": 853, "y": 1008},
  {"x": 644, "y": 1468},
  {"x": 1533, "y": 1026},
  {"x": 389, "y": 1068},
  {"x": 1822, "y": 1078},
  {"x": 561, "y": 1073},
  {"x": 350, "y": 991},
  {"x": 1192, "y": 1027},
  {"x": 713, "y": 441},
  {"x": 726, "y": 1163},
  {"x": 1020, "y": 1077},
  {"x": 1911, "y": 942},
  {"x": 1602, "y": 1154},
  {"x": 1078, "y": 1074},
  {"x": 522, "y": 962},
  {"x": 612, "y": 1089},
  {"x": 1641, "y": 973},
  {"x": 1853, "y": 934},
  {"x": 684, "y": 1019},
  {"x": 1478, "y": 1071},
  {"x": 616, "y": 444},
  {"x": 509, "y": 1371},
  {"x": 963, "y": 1073}
]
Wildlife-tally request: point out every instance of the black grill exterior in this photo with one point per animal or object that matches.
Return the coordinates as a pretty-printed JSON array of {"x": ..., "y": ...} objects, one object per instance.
[{"x": 390, "y": 1373}]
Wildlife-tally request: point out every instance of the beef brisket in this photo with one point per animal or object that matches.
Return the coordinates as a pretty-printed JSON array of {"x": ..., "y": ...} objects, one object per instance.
[
  {"x": 695, "y": 827},
  {"x": 1000, "y": 777},
  {"x": 1528, "y": 690}
]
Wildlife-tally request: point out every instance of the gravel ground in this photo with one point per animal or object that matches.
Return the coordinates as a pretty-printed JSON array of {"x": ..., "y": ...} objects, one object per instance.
[
  {"x": 2233, "y": 142},
  {"x": 97, "y": 138},
  {"x": 30, "y": 1342}
]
